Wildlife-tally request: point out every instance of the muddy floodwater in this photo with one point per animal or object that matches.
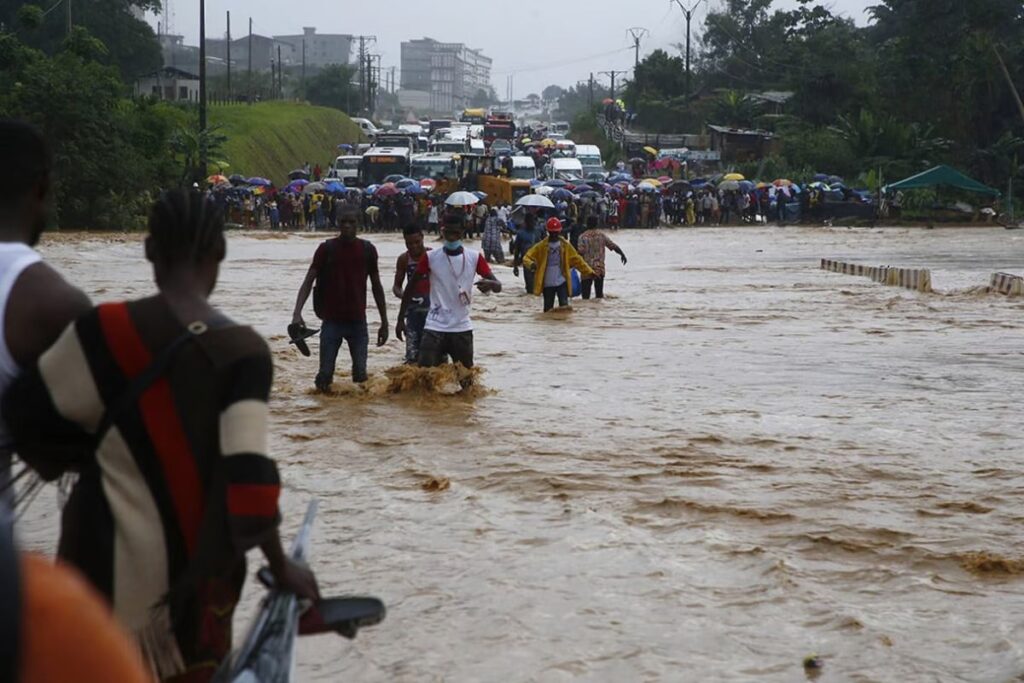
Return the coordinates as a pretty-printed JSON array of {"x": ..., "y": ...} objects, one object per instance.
[{"x": 734, "y": 461}]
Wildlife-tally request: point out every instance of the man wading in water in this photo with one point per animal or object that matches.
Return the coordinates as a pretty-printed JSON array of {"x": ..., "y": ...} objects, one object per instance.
[
  {"x": 451, "y": 272},
  {"x": 160, "y": 406},
  {"x": 36, "y": 303},
  {"x": 416, "y": 316},
  {"x": 553, "y": 261},
  {"x": 340, "y": 268}
]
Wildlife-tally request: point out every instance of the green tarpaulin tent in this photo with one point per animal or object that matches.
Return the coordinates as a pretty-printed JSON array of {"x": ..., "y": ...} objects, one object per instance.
[{"x": 941, "y": 175}]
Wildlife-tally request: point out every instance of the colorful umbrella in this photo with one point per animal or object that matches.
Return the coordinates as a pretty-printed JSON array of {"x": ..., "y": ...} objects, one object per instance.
[
  {"x": 216, "y": 180},
  {"x": 297, "y": 185},
  {"x": 782, "y": 182},
  {"x": 386, "y": 190},
  {"x": 428, "y": 183},
  {"x": 405, "y": 182},
  {"x": 734, "y": 176},
  {"x": 650, "y": 150},
  {"x": 652, "y": 181}
]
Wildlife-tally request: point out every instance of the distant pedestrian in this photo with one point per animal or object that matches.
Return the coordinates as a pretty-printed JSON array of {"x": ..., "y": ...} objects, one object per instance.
[{"x": 593, "y": 243}]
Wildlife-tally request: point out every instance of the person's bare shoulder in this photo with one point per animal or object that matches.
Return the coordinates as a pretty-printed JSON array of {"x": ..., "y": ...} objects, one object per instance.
[{"x": 41, "y": 305}]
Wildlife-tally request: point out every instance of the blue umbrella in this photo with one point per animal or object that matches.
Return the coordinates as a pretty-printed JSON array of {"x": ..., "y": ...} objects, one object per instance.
[
  {"x": 561, "y": 194},
  {"x": 556, "y": 183},
  {"x": 406, "y": 182},
  {"x": 262, "y": 182},
  {"x": 394, "y": 178},
  {"x": 535, "y": 183},
  {"x": 480, "y": 195},
  {"x": 344, "y": 146},
  {"x": 335, "y": 188},
  {"x": 746, "y": 185},
  {"x": 821, "y": 177},
  {"x": 833, "y": 179},
  {"x": 370, "y": 189},
  {"x": 414, "y": 189}
]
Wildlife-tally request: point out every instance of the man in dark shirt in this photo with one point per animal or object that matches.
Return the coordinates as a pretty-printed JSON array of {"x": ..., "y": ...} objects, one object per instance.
[
  {"x": 340, "y": 268},
  {"x": 526, "y": 236}
]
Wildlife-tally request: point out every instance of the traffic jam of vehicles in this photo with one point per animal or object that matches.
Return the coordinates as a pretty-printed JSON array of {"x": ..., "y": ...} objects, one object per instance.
[{"x": 483, "y": 151}]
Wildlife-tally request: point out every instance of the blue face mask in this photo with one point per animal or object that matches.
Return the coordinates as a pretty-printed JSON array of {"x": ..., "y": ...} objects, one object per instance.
[{"x": 452, "y": 246}]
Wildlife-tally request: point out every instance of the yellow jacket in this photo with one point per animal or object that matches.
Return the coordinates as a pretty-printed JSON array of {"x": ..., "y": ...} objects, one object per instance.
[{"x": 537, "y": 258}]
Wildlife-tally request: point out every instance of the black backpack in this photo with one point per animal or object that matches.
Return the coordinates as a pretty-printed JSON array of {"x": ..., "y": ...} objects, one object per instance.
[{"x": 323, "y": 277}]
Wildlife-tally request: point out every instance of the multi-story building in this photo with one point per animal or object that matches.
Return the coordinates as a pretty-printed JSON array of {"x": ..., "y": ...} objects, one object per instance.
[
  {"x": 322, "y": 49},
  {"x": 450, "y": 73}
]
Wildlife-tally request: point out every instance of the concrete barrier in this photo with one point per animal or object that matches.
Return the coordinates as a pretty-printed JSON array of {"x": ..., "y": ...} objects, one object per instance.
[
  {"x": 1007, "y": 283},
  {"x": 907, "y": 278}
]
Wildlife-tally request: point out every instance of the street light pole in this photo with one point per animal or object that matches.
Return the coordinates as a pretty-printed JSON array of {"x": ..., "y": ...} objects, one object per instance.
[
  {"x": 688, "y": 12},
  {"x": 202, "y": 88}
]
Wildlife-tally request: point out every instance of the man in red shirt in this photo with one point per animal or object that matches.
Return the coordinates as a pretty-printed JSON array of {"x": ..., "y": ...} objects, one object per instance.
[{"x": 340, "y": 268}]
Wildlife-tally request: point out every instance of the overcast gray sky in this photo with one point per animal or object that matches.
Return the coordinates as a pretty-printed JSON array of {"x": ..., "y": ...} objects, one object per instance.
[{"x": 541, "y": 42}]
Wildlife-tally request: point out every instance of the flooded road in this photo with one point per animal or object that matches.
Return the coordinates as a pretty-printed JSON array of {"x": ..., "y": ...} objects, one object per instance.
[{"x": 734, "y": 461}]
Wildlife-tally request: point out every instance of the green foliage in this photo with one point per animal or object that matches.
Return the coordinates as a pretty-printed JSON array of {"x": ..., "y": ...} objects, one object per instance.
[
  {"x": 576, "y": 99},
  {"x": 552, "y": 92},
  {"x": 130, "y": 43},
  {"x": 334, "y": 87}
]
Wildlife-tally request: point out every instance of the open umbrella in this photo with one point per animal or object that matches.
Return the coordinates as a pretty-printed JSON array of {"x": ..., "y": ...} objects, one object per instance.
[
  {"x": 461, "y": 199},
  {"x": 335, "y": 188},
  {"x": 296, "y": 185},
  {"x": 480, "y": 195},
  {"x": 664, "y": 179},
  {"x": 680, "y": 186},
  {"x": 729, "y": 185},
  {"x": 394, "y": 178},
  {"x": 236, "y": 179},
  {"x": 589, "y": 194},
  {"x": 428, "y": 183},
  {"x": 544, "y": 190},
  {"x": 782, "y": 182},
  {"x": 646, "y": 187},
  {"x": 652, "y": 181},
  {"x": 556, "y": 183},
  {"x": 548, "y": 142},
  {"x": 534, "y": 182},
  {"x": 216, "y": 180},
  {"x": 821, "y": 177},
  {"x": 414, "y": 189},
  {"x": 298, "y": 174},
  {"x": 833, "y": 179},
  {"x": 746, "y": 186},
  {"x": 734, "y": 176},
  {"x": 535, "y": 200},
  {"x": 561, "y": 194},
  {"x": 405, "y": 182},
  {"x": 386, "y": 190},
  {"x": 345, "y": 147},
  {"x": 261, "y": 182},
  {"x": 606, "y": 101},
  {"x": 313, "y": 188},
  {"x": 650, "y": 150}
]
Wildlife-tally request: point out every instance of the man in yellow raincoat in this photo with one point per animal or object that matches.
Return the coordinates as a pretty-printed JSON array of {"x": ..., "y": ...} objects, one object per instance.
[{"x": 553, "y": 260}]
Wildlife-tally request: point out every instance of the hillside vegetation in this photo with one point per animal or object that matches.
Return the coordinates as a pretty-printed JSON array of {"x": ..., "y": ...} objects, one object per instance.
[{"x": 269, "y": 139}]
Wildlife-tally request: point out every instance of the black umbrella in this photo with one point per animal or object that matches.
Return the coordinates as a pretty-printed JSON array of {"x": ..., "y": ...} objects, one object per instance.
[
  {"x": 297, "y": 174},
  {"x": 237, "y": 180}
]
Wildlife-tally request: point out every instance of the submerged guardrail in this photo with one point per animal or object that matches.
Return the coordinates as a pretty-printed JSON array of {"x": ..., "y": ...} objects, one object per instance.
[
  {"x": 1007, "y": 283},
  {"x": 919, "y": 279}
]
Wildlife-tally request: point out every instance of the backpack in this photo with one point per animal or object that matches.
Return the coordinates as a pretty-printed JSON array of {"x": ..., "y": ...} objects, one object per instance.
[{"x": 323, "y": 277}]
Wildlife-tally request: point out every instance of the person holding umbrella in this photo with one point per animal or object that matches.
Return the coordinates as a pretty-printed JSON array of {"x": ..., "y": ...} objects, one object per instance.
[{"x": 552, "y": 261}]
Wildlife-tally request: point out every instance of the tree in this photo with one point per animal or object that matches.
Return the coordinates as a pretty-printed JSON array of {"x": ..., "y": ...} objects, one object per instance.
[
  {"x": 483, "y": 98},
  {"x": 658, "y": 77},
  {"x": 130, "y": 42},
  {"x": 334, "y": 87},
  {"x": 552, "y": 93}
]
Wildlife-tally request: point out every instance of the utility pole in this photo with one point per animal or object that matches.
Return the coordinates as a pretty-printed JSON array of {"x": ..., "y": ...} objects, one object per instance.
[
  {"x": 688, "y": 11},
  {"x": 364, "y": 92},
  {"x": 303, "y": 68},
  {"x": 227, "y": 44},
  {"x": 637, "y": 33},
  {"x": 202, "y": 89},
  {"x": 612, "y": 74},
  {"x": 280, "y": 74},
  {"x": 67, "y": 6},
  {"x": 590, "y": 86},
  {"x": 393, "y": 80},
  {"x": 250, "y": 60}
]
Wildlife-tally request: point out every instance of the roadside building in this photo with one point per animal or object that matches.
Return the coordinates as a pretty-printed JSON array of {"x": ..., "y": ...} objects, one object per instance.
[
  {"x": 169, "y": 83},
  {"x": 450, "y": 72},
  {"x": 739, "y": 144}
]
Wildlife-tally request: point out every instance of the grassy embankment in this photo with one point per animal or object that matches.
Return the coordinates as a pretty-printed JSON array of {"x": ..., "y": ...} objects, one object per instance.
[{"x": 269, "y": 139}]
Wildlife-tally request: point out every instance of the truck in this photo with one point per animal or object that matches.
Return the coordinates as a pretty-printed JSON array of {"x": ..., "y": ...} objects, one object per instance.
[
  {"x": 563, "y": 168},
  {"x": 346, "y": 169},
  {"x": 478, "y": 172},
  {"x": 590, "y": 157}
]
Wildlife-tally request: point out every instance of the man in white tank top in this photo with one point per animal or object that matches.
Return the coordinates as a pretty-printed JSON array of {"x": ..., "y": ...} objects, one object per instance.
[{"x": 36, "y": 303}]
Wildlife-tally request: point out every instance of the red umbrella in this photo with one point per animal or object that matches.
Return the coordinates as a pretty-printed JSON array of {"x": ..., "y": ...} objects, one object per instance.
[
  {"x": 428, "y": 183},
  {"x": 607, "y": 100},
  {"x": 386, "y": 190}
]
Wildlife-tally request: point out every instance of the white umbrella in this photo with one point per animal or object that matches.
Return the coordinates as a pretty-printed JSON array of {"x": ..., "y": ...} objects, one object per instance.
[
  {"x": 535, "y": 200},
  {"x": 544, "y": 190},
  {"x": 461, "y": 199}
]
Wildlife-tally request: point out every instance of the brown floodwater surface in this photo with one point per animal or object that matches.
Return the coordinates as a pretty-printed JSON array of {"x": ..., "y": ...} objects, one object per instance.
[{"x": 734, "y": 461}]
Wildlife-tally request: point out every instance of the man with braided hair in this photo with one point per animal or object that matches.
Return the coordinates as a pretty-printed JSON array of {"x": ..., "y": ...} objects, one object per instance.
[{"x": 160, "y": 405}]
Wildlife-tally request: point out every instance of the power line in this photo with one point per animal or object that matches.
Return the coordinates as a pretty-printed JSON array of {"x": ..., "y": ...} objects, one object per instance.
[
  {"x": 637, "y": 33},
  {"x": 561, "y": 63}
]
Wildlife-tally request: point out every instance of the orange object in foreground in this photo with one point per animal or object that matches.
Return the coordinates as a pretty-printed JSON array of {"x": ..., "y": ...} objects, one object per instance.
[{"x": 68, "y": 634}]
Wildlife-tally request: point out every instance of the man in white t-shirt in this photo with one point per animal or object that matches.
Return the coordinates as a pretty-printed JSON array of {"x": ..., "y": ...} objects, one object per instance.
[{"x": 452, "y": 271}]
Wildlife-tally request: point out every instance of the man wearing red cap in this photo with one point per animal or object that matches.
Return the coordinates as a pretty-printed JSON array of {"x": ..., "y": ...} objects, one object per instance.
[{"x": 553, "y": 260}]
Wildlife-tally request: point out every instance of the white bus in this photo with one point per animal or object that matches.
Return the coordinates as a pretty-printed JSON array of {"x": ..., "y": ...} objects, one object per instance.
[{"x": 380, "y": 162}]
